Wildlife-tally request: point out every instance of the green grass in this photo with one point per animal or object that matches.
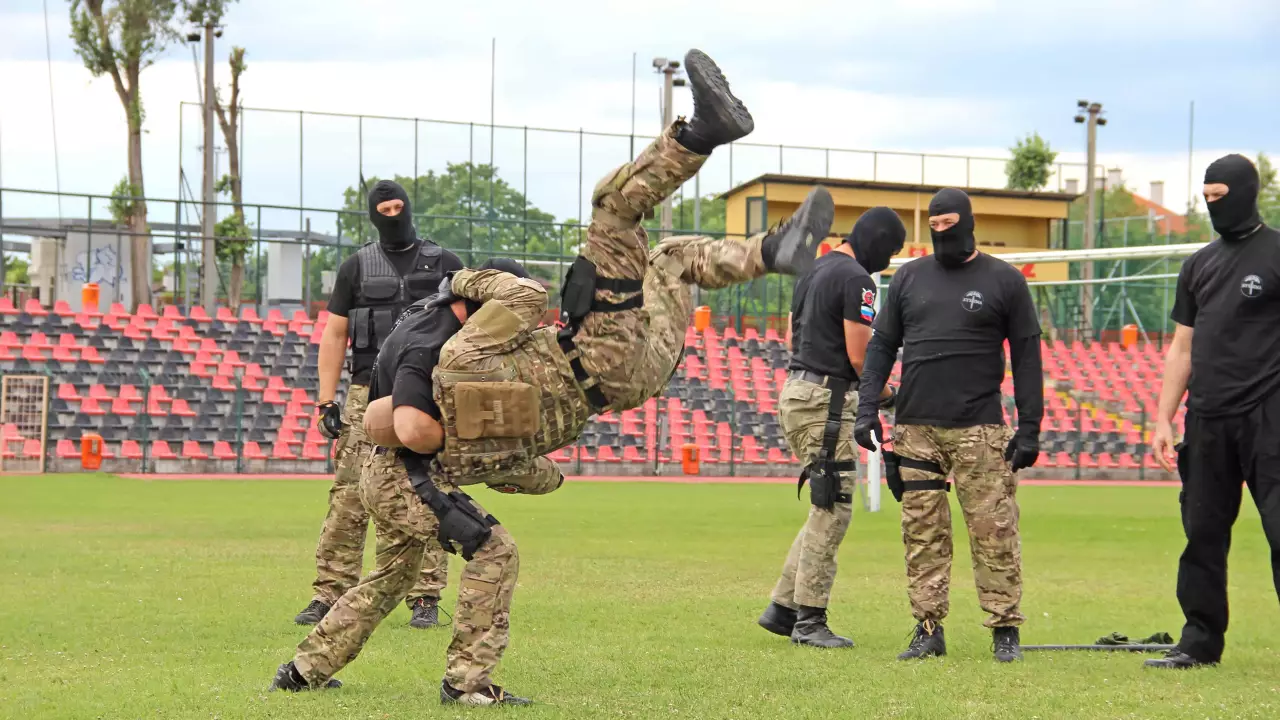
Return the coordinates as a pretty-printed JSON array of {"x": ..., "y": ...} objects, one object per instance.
[{"x": 130, "y": 599}]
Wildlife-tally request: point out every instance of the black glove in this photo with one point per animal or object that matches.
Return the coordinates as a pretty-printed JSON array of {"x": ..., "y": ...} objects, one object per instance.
[
  {"x": 1023, "y": 450},
  {"x": 444, "y": 294},
  {"x": 330, "y": 419},
  {"x": 888, "y": 402},
  {"x": 867, "y": 427}
]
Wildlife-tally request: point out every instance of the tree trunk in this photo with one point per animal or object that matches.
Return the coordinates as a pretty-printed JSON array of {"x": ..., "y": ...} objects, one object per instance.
[
  {"x": 236, "y": 284},
  {"x": 141, "y": 237}
]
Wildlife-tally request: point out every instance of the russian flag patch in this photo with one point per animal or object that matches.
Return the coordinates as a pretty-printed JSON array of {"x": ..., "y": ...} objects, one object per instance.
[{"x": 868, "y": 314}]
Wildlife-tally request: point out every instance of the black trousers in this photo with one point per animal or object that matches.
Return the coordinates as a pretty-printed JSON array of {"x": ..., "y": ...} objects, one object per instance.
[{"x": 1217, "y": 456}]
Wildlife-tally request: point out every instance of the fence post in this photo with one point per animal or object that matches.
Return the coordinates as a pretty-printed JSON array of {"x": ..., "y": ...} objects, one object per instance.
[
  {"x": 239, "y": 403},
  {"x": 1142, "y": 461},
  {"x": 146, "y": 416},
  {"x": 1079, "y": 434}
]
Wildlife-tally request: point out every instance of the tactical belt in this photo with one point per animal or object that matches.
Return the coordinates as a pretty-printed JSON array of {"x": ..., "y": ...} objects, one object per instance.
[
  {"x": 817, "y": 379},
  {"x": 618, "y": 285},
  {"x": 573, "y": 318}
]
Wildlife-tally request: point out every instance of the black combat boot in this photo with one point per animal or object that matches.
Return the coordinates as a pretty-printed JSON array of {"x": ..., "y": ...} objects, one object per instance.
[
  {"x": 719, "y": 118},
  {"x": 811, "y": 629},
  {"x": 927, "y": 641},
  {"x": 790, "y": 247},
  {"x": 778, "y": 619},
  {"x": 1005, "y": 642},
  {"x": 314, "y": 613},
  {"x": 288, "y": 678},
  {"x": 1176, "y": 659},
  {"x": 492, "y": 695},
  {"x": 426, "y": 612}
]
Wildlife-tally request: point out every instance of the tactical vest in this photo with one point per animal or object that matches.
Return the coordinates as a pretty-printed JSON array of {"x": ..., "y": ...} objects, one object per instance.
[
  {"x": 383, "y": 294},
  {"x": 533, "y": 358}
]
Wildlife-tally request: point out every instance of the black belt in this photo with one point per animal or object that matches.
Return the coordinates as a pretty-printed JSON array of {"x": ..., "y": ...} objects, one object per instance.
[
  {"x": 595, "y": 396},
  {"x": 928, "y": 466},
  {"x": 817, "y": 378}
]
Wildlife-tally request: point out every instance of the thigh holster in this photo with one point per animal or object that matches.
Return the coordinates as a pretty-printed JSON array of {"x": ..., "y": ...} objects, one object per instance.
[
  {"x": 577, "y": 299},
  {"x": 462, "y": 529},
  {"x": 823, "y": 474},
  {"x": 893, "y": 464}
]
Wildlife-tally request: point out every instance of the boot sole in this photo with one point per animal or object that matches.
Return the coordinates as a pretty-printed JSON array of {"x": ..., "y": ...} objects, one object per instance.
[
  {"x": 814, "y": 217},
  {"x": 774, "y": 628},
  {"x": 707, "y": 80},
  {"x": 823, "y": 647},
  {"x": 922, "y": 657}
]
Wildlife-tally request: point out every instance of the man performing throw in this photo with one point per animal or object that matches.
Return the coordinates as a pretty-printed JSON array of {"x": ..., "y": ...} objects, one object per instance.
[{"x": 507, "y": 392}]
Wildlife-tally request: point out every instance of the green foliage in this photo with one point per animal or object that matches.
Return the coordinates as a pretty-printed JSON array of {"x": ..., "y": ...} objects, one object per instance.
[
  {"x": 15, "y": 269},
  {"x": 683, "y": 212},
  {"x": 453, "y": 209},
  {"x": 1269, "y": 191},
  {"x": 205, "y": 12},
  {"x": 1030, "y": 166},
  {"x": 123, "y": 201},
  {"x": 111, "y": 35}
]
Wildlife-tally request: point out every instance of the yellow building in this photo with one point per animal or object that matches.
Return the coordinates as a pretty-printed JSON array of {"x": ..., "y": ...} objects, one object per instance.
[{"x": 1005, "y": 220}]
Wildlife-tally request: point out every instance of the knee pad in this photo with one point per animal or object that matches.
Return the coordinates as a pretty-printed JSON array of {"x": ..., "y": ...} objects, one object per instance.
[{"x": 545, "y": 478}]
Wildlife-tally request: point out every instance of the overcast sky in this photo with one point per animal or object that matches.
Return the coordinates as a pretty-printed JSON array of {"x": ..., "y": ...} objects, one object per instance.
[{"x": 946, "y": 76}]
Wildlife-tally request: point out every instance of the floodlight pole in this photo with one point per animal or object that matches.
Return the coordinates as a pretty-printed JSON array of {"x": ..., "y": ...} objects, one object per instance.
[{"x": 208, "y": 217}]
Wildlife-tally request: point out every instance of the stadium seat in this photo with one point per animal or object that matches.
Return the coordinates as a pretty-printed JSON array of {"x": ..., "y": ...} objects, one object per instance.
[
  {"x": 222, "y": 450},
  {"x": 160, "y": 450},
  {"x": 31, "y": 449},
  {"x": 33, "y": 308},
  {"x": 67, "y": 450},
  {"x": 281, "y": 451},
  {"x": 6, "y": 306},
  {"x": 191, "y": 450},
  {"x": 131, "y": 450},
  {"x": 252, "y": 451}
]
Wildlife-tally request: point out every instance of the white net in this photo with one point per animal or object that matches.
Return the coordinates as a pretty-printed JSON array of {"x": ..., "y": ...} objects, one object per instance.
[{"x": 24, "y": 403}]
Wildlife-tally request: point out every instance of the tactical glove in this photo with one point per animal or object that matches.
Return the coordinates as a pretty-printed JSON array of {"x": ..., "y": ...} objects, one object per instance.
[
  {"x": 1023, "y": 450},
  {"x": 444, "y": 294},
  {"x": 867, "y": 427},
  {"x": 330, "y": 424}
]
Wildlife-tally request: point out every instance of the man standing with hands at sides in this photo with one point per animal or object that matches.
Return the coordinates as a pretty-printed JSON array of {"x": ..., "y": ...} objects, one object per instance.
[
  {"x": 1226, "y": 351},
  {"x": 831, "y": 314},
  {"x": 373, "y": 287},
  {"x": 952, "y": 313}
]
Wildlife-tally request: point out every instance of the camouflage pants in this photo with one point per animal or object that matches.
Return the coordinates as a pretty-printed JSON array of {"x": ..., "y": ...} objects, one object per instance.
[
  {"x": 611, "y": 344},
  {"x": 340, "y": 552},
  {"x": 674, "y": 265},
  {"x": 987, "y": 490},
  {"x": 404, "y": 525},
  {"x": 810, "y": 568}
]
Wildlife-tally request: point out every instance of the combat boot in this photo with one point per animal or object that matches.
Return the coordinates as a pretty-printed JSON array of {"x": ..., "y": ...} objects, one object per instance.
[
  {"x": 1005, "y": 641},
  {"x": 313, "y": 614},
  {"x": 790, "y": 247},
  {"x": 1175, "y": 659},
  {"x": 426, "y": 612},
  {"x": 811, "y": 629},
  {"x": 778, "y": 619},
  {"x": 492, "y": 695},
  {"x": 927, "y": 641},
  {"x": 719, "y": 118},
  {"x": 288, "y": 678}
]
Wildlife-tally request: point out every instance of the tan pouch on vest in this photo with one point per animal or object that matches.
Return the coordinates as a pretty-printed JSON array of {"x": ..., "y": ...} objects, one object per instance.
[{"x": 496, "y": 410}]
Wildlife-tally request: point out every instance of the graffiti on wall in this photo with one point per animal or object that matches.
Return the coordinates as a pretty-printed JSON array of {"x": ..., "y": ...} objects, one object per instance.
[{"x": 100, "y": 265}]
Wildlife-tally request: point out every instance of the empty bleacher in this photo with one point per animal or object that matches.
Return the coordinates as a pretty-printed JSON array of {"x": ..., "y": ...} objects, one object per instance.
[{"x": 163, "y": 386}]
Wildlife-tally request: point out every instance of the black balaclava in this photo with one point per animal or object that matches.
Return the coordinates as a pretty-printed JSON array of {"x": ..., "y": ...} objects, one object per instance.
[
  {"x": 877, "y": 236},
  {"x": 1234, "y": 215},
  {"x": 395, "y": 233},
  {"x": 953, "y": 246},
  {"x": 506, "y": 265}
]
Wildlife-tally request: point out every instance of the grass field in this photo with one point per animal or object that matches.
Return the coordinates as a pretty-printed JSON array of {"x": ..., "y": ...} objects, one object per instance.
[{"x": 136, "y": 599}]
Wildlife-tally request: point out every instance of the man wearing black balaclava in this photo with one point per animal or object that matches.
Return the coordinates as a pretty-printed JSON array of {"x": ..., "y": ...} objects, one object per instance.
[
  {"x": 831, "y": 313},
  {"x": 1226, "y": 353},
  {"x": 952, "y": 314},
  {"x": 372, "y": 288}
]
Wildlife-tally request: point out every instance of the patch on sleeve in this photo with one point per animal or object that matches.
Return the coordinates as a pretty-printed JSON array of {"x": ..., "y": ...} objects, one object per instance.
[
  {"x": 868, "y": 314},
  {"x": 868, "y": 305}
]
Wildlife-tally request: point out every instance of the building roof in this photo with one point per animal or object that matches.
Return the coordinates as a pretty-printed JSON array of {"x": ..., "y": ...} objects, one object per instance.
[
  {"x": 1171, "y": 222},
  {"x": 777, "y": 179}
]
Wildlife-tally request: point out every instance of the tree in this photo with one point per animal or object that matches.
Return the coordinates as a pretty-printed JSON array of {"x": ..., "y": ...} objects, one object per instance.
[
  {"x": 232, "y": 234},
  {"x": 15, "y": 270},
  {"x": 683, "y": 212},
  {"x": 1030, "y": 165},
  {"x": 453, "y": 208},
  {"x": 1268, "y": 191},
  {"x": 120, "y": 38}
]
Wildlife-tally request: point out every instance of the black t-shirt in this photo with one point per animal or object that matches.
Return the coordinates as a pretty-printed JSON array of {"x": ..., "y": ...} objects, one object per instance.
[
  {"x": 408, "y": 356},
  {"x": 834, "y": 290},
  {"x": 952, "y": 325},
  {"x": 343, "y": 298},
  {"x": 1230, "y": 293}
]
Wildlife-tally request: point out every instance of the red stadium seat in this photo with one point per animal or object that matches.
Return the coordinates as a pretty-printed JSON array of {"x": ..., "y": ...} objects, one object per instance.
[
  {"x": 131, "y": 450},
  {"x": 252, "y": 451},
  {"x": 67, "y": 391},
  {"x": 6, "y": 306},
  {"x": 198, "y": 314},
  {"x": 160, "y": 451},
  {"x": 31, "y": 449},
  {"x": 249, "y": 314},
  {"x": 224, "y": 315},
  {"x": 222, "y": 449},
  {"x": 181, "y": 409},
  {"x": 281, "y": 451},
  {"x": 191, "y": 450},
  {"x": 67, "y": 450},
  {"x": 33, "y": 308},
  {"x": 120, "y": 406},
  {"x": 315, "y": 451},
  {"x": 172, "y": 312},
  {"x": 62, "y": 308}
]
